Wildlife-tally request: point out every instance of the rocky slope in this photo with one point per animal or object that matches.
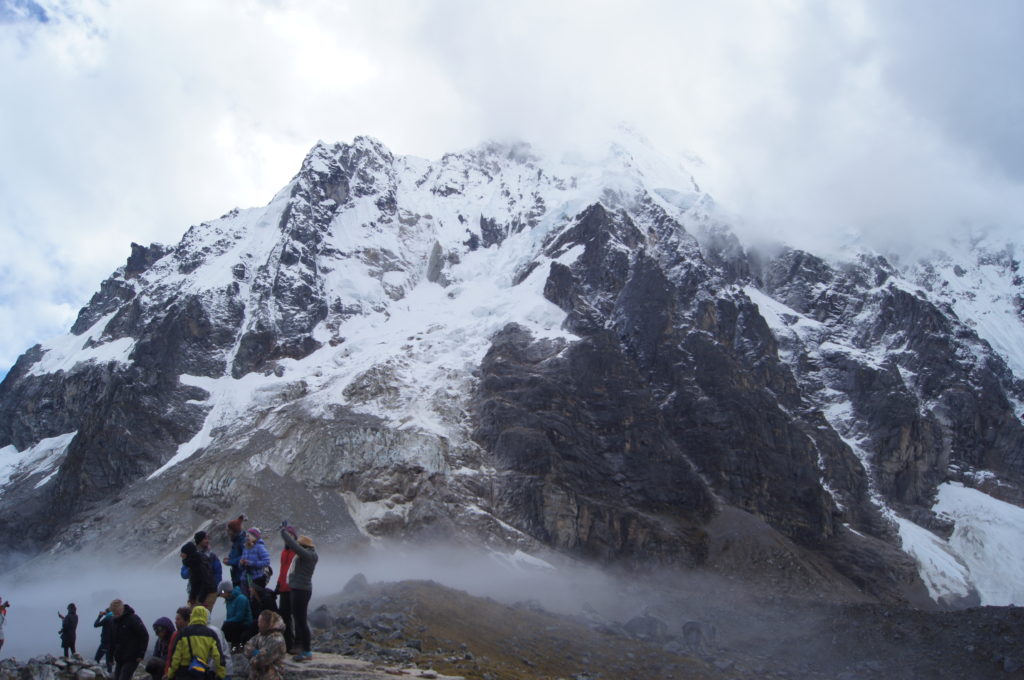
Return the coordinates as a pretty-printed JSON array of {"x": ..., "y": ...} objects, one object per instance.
[{"x": 554, "y": 356}]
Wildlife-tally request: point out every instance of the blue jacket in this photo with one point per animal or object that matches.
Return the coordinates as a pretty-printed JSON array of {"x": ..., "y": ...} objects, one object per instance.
[
  {"x": 239, "y": 610},
  {"x": 256, "y": 557},
  {"x": 235, "y": 554}
]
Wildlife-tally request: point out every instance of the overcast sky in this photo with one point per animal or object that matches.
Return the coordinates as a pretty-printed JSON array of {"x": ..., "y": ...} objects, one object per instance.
[{"x": 129, "y": 120}]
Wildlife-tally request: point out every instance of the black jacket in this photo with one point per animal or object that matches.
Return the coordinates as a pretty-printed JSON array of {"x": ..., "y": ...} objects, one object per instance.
[
  {"x": 130, "y": 638},
  {"x": 200, "y": 573},
  {"x": 106, "y": 625},
  {"x": 69, "y": 628}
]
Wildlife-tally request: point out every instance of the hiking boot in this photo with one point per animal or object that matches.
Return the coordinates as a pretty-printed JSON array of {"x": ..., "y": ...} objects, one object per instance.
[{"x": 303, "y": 656}]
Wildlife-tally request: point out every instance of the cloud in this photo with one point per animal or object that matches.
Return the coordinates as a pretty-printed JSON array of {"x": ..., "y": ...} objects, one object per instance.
[{"x": 129, "y": 121}]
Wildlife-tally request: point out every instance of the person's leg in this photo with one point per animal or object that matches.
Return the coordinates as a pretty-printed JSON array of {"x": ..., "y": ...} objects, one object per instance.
[
  {"x": 284, "y": 608},
  {"x": 100, "y": 651},
  {"x": 210, "y": 600},
  {"x": 300, "y": 610},
  {"x": 233, "y": 631},
  {"x": 126, "y": 670}
]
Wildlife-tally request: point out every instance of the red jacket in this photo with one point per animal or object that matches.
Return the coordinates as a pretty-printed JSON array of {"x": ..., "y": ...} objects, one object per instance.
[{"x": 287, "y": 555}]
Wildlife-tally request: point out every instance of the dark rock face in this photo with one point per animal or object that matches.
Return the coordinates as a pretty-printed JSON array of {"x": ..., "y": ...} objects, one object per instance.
[{"x": 590, "y": 466}]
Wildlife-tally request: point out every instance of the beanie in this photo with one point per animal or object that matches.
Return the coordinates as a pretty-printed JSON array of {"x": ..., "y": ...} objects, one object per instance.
[
  {"x": 198, "y": 538},
  {"x": 235, "y": 525},
  {"x": 256, "y": 533}
]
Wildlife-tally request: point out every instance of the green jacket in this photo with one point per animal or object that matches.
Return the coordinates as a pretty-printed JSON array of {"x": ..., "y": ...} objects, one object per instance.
[{"x": 196, "y": 639}]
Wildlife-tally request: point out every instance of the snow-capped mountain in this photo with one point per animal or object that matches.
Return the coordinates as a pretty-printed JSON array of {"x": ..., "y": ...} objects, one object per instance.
[{"x": 544, "y": 356}]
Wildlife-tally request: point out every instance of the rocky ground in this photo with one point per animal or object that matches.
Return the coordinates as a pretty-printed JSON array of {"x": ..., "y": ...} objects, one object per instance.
[
  {"x": 421, "y": 629},
  {"x": 431, "y": 626}
]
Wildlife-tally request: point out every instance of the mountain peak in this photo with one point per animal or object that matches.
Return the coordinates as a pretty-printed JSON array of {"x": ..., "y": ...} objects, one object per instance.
[{"x": 532, "y": 351}]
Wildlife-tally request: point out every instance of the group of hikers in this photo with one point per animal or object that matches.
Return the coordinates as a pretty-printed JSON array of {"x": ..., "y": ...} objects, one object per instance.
[{"x": 265, "y": 620}]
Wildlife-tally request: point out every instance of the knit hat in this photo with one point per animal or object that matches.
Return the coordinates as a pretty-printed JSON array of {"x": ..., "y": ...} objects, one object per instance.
[
  {"x": 235, "y": 525},
  {"x": 256, "y": 533},
  {"x": 307, "y": 542},
  {"x": 189, "y": 549},
  {"x": 225, "y": 587},
  {"x": 165, "y": 623},
  {"x": 198, "y": 538}
]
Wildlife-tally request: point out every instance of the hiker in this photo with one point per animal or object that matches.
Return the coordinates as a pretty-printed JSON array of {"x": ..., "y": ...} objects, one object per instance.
[
  {"x": 200, "y": 574},
  {"x": 196, "y": 645},
  {"x": 105, "y": 622},
  {"x": 181, "y": 617},
  {"x": 164, "y": 629},
  {"x": 237, "y": 539},
  {"x": 255, "y": 559},
  {"x": 129, "y": 640},
  {"x": 202, "y": 541},
  {"x": 3, "y": 619},
  {"x": 300, "y": 580},
  {"x": 68, "y": 630},
  {"x": 266, "y": 650},
  {"x": 284, "y": 592},
  {"x": 238, "y": 625}
]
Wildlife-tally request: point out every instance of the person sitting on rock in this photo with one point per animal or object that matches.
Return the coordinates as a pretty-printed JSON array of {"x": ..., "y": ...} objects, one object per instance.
[
  {"x": 255, "y": 559},
  {"x": 196, "y": 641},
  {"x": 238, "y": 626},
  {"x": 68, "y": 630},
  {"x": 266, "y": 650}
]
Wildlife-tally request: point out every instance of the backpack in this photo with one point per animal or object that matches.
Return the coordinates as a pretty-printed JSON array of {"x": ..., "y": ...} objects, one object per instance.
[{"x": 197, "y": 669}]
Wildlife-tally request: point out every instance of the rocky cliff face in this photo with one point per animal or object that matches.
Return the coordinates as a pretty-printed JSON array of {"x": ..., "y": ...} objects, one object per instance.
[{"x": 503, "y": 349}]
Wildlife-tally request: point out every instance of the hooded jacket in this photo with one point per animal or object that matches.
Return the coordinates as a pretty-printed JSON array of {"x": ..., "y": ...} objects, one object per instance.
[
  {"x": 266, "y": 650},
  {"x": 238, "y": 607},
  {"x": 161, "y": 645},
  {"x": 69, "y": 627},
  {"x": 197, "y": 640},
  {"x": 130, "y": 637}
]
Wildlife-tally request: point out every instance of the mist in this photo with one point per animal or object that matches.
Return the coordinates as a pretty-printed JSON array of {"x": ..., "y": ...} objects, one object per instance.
[{"x": 39, "y": 590}]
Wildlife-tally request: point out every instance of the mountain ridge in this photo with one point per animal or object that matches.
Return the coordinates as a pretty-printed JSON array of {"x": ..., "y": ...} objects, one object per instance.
[{"x": 528, "y": 353}]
